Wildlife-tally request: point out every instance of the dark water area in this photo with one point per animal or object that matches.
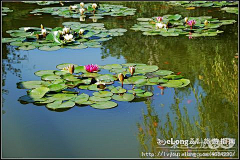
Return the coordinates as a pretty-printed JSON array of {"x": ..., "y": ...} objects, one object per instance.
[{"x": 207, "y": 108}]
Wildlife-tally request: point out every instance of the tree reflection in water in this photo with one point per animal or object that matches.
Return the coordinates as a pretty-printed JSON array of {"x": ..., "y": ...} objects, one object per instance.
[{"x": 217, "y": 108}]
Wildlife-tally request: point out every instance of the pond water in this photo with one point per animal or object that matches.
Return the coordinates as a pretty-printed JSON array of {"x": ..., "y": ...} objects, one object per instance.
[{"x": 207, "y": 108}]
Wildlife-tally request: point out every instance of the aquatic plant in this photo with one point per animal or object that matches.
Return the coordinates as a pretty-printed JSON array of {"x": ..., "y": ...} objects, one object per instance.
[
  {"x": 43, "y": 3},
  {"x": 203, "y": 3},
  {"x": 175, "y": 25},
  {"x": 73, "y": 35},
  {"x": 230, "y": 9},
  {"x": 91, "y": 68},
  {"x": 59, "y": 89},
  {"x": 87, "y": 9},
  {"x": 191, "y": 23},
  {"x": 5, "y": 10}
]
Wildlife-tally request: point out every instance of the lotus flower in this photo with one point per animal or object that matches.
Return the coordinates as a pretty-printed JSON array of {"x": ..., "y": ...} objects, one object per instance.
[
  {"x": 44, "y": 31},
  {"x": 91, "y": 68},
  {"x": 82, "y": 18},
  {"x": 206, "y": 22},
  {"x": 121, "y": 78},
  {"x": 66, "y": 30},
  {"x": 82, "y": 4},
  {"x": 132, "y": 70},
  {"x": 186, "y": 19},
  {"x": 191, "y": 23},
  {"x": 68, "y": 37},
  {"x": 81, "y": 31},
  {"x": 159, "y": 19},
  {"x": 81, "y": 10},
  {"x": 94, "y": 6}
]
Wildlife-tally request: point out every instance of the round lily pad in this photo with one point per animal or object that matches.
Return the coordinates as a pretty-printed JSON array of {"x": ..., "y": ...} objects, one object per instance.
[
  {"x": 29, "y": 84},
  {"x": 124, "y": 97},
  {"x": 82, "y": 98},
  {"x": 38, "y": 92},
  {"x": 59, "y": 105},
  {"x": 104, "y": 105},
  {"x": 146, "y": 94},
  {"x": 97, "y": 99},
  {"x": 103, "y": 94},
  {"x": 118, "y": 90}
]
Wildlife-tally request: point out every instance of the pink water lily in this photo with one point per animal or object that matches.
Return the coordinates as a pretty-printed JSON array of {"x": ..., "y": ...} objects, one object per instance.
[
  {"x": 91, "y": 68},
  {"x": 159, "y": 19},
  {"x": 191, "y": 23}
]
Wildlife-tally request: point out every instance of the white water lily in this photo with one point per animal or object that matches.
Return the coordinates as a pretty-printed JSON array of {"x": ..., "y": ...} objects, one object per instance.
[
  {"x": 44, "y": 31},
  {"x": 26, "y": 28},
  {"x": 42, "y": 26},
  {"x": 186, "y": 19},
  {"x": 94, "y": 19},
  {"x": 66, "y": 30},
  {"x": 82, "y": 4},
  {"x": 81, "y": 10},
  {"x": 81, "y": 31},
  {"x": 82, "y": 18},
  {"x": 94, "y": 5},
  {"x": 68, "y": 37},
  {"x": 160, "y": 25},
  {"x": 74, "y": 7}
]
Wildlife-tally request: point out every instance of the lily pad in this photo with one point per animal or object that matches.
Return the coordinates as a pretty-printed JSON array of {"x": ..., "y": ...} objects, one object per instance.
[
  {"x": 99, "y": 99},
  {"x": 44, "y": 72},
  {"x": 59, "y": 105},
  {"x": 163, "y": 72},
  {"x": 82, "y": 98},
  {"x": 29, "y": 84},
  {"x": 38, "y": 92},
  {"x": 124, "y": 97},
  {"x": 104, "y": 105},
  {"x": 146, "y": 94},
  {"x": 103, "y": 94},
  {"x": 118, "y": 90}
]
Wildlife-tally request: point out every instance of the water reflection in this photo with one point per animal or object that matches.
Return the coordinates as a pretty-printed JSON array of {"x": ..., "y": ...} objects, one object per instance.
[
  {"x": 217, "y": 112},
  {"x": 208, "y": 62}
]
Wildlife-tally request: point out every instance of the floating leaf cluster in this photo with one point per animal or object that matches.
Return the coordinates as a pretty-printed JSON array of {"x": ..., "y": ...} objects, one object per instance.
[
  {"x": 42, "y": 3},
  {"x": 203, "y": 3},
  {"x": 98, "y": 13},
  {"x": 230, "y": 9},
  {"x": 83, "y": 36},
  {"x": 59, "y": 89},
  {"x": 175, "y": 25},
  {"x": 5, "y": 10}
]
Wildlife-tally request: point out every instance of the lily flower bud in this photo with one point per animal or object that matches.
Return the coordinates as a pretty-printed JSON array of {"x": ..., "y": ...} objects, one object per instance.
[
  {"x": 82, "y": 4},
  {"x": 121, "y": 78},
  {"x": 132, "y": 70},
  {"x": 94, "y": 6},
  {"x": 71, "y": 69},
  {"x": 81, "y": 31},
  {"x": 206, "y": 22}
]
